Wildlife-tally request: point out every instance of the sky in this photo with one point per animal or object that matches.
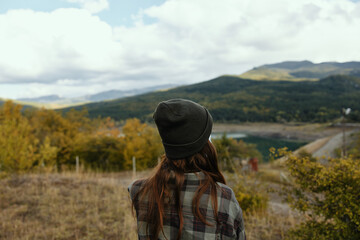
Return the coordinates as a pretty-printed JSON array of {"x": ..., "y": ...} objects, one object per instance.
[{"x": 78, "y": 47}]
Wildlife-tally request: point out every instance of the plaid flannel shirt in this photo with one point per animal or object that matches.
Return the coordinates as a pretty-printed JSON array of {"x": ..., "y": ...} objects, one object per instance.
[{"x": 230, "y": 225}]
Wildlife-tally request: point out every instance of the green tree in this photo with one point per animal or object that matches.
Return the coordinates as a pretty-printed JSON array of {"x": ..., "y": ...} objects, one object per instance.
[
  {"x": 231, "y": 151},
  {"x": 101, "y": 152}
]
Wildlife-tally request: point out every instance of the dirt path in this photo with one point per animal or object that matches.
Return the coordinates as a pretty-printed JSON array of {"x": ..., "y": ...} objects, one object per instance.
[{"x": 328, "y": 150}]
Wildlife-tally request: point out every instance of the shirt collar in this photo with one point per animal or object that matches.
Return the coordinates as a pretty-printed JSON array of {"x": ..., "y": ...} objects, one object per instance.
[{"x": 194, "y": 176}]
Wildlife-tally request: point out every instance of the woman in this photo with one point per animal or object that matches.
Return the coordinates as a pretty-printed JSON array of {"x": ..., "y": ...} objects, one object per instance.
[{"x": 186, "y": 197}]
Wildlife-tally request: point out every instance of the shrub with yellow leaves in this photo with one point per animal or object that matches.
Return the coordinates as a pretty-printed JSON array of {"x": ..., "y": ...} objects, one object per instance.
[
  {"x": 327, "y": 195},
  {"x": 250, "y": 199}
]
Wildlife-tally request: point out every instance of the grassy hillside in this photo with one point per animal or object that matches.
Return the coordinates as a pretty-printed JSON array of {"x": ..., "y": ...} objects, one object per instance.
[
  {"x": 304, "y": 70},
  {"x": 233, "y": 99}
]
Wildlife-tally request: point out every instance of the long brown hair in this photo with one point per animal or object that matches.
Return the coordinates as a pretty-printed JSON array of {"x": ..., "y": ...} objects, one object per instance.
[{"x": 168, "y": 178}]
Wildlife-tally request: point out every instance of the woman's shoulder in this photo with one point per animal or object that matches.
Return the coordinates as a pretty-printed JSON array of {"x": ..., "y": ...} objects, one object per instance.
[
  {"x": 226, "y": 191},
  {"x": 135, "y": 186},
  {"x": 228, "y": 201}
]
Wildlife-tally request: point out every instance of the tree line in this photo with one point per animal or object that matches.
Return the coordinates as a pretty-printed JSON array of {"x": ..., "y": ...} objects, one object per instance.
[
  {"x": 47, "y": 140},
  {"x": 40, "y": 139}
]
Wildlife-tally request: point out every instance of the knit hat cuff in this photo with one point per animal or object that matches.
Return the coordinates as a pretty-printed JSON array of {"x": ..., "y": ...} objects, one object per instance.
[{"x": 179, "y": 151}]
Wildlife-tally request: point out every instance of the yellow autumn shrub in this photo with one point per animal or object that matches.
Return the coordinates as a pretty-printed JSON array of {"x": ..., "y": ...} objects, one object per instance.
[{"x": 328, "y": 196}]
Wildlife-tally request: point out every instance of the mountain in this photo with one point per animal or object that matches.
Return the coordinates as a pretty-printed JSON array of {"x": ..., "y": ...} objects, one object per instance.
[
  {"x": 234, "y": 99},
  {"x": 114, "y": 94},
  {"x": 54, "y": 101},
  {"x": 303, "y": 70},
  {"x": 43, "y": 99}
]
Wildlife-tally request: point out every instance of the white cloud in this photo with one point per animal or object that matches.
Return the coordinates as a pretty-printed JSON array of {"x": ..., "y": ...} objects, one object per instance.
[
  {"x": 45, "y": 47},
  {"x": 204, "y": 38},
  {"x": 93, "y": 6},
  {"x": 190, "y": 41}
]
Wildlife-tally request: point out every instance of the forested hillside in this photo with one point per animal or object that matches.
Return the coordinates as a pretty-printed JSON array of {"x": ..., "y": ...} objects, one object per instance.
[{"x": 233, "y": 99}]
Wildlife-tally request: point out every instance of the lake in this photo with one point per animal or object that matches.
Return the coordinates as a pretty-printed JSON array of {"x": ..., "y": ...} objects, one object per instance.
[{"x": 264, "y": 143}]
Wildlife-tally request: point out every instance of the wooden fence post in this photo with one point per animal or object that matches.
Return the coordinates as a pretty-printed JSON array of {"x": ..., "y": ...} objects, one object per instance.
[
  {"x": 77, "y": 164},
  {"x": 134, "y": 166}
]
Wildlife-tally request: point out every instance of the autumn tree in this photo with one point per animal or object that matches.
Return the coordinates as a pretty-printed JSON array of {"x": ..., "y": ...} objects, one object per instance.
[
  {"x": 106, "y": 127},
  {"x": 20, "y": 150},
  {"x": 142, "y": 142},
  {"x": 80, "y": 120},
  {"x": 61, "y": 132},
  {"x": 101, "y": 149}
]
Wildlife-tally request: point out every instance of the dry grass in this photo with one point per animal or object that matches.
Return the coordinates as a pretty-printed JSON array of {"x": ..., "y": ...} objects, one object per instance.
[
  {"x": 268, "y": 226},
  {"x": 90, "y": 206},
  {"x": 66, "y": 206},
  {"x": 278, "y": 218}
]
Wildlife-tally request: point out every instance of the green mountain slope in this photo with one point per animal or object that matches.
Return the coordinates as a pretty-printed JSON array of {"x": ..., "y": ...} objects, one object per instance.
[
  {"x": 233, "y": 99},
  {"x": 300, "y": 71}
]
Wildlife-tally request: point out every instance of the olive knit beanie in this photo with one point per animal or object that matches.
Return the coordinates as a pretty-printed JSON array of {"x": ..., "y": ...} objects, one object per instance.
[{"x": 184, "y": 127}]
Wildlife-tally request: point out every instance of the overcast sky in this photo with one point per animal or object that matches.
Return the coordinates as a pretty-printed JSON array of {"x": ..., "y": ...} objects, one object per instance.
[{"x": 77, "y": 47}]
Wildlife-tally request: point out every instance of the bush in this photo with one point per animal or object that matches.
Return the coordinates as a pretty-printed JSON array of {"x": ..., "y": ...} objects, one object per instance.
[
  {"x": 250, "y": 197},
  {"x": 251, "y": 201},
  {"x": 328, "y": 196}
]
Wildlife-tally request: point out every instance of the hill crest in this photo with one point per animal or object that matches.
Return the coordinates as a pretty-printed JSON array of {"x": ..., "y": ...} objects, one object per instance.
[{"x": 302, "y": 71}]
